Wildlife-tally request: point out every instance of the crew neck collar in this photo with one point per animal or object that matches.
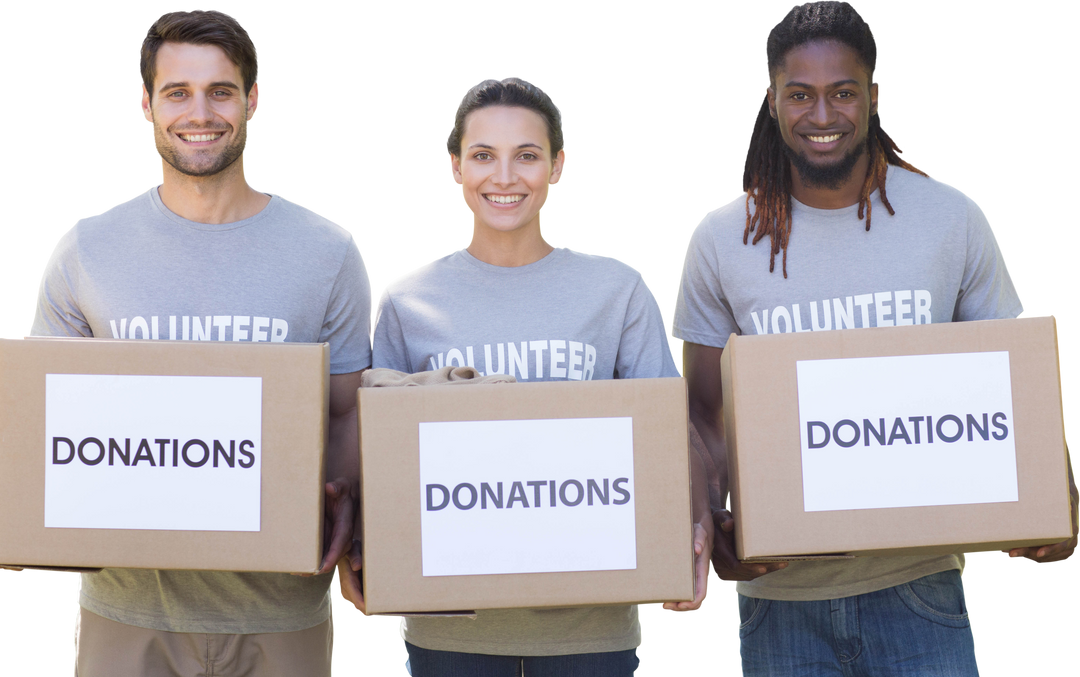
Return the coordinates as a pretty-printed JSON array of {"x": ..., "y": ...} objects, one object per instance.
[
  {"x": 270, "y": 207},
  {"x": 554, "y": 255}
]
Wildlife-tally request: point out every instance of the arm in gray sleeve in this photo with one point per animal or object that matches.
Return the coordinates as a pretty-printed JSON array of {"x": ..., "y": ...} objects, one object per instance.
[
  {"x": 347, "y": 322},
  {"x": 388, "y": 347},
  {"x": 702, "y": 313},
  {"x": 986, "y": 290},
  {"x": 643, "y": 347},
  {"x": 56, "y": 310}
]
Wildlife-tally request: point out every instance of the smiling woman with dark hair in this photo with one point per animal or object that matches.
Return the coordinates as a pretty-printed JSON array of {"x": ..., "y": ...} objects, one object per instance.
[{"x": 512, "y": 303}]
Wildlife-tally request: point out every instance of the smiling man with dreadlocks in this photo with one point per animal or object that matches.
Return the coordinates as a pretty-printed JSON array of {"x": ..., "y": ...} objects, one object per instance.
[{"x": 819, "y": 172}]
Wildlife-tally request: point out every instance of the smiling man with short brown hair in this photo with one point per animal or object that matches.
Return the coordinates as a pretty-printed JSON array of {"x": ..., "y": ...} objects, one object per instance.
[{"x": 204, "y": 245}]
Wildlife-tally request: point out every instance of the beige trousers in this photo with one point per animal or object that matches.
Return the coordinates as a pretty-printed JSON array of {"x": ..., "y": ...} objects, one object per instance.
[{"x": 105, "y": 648}]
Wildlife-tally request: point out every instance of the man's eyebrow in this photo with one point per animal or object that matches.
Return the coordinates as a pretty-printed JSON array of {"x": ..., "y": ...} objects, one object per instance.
[
  {"x": 834, "y": 85},
  {"x": 524, "y": 145},
  {"x": 174, "y": 85}
]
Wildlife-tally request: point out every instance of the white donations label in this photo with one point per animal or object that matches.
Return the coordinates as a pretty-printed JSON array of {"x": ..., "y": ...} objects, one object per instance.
[
  {"x": 890, "y": 432},
  {"x": 153, "y": 452},
  {"x": 511, "y": 497}
]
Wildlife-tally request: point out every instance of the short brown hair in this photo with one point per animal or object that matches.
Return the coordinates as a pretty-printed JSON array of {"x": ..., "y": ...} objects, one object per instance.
[{"x": 199, "y": 28}]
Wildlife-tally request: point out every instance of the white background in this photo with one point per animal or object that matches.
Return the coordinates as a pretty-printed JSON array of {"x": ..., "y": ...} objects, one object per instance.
[
  {"x": 869, "y": 474},
  {"x": 154, "y": 495},
  {"x": 534, "y": 536}
]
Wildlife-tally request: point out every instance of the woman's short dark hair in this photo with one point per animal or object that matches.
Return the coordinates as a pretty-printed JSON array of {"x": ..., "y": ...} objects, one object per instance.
[
  {"x": 512, "y": 93},
  {"x": 199, "y": 28}
]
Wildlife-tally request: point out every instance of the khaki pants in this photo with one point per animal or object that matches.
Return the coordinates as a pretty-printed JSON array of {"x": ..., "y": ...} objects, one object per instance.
[{"x": 105, "y": 648}]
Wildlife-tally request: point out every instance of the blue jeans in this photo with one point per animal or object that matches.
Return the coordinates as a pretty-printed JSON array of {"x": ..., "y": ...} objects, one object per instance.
[
  {"x": 430, "y": 663},
  {"x": 918, "y": 628}
]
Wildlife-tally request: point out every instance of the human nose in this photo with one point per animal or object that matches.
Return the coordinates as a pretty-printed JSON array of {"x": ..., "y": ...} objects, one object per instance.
[
  {"x": 822, "y": 114},
  {"x": 504, "y": 173},
  {"x": 200, "y": 109}
]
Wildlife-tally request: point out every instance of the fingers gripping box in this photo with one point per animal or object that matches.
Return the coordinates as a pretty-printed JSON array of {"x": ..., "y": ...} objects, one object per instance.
[{"x": 938, "y": 438}]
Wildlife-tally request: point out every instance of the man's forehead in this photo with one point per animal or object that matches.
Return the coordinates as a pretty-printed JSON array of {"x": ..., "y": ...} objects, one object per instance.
[
  {"x": 194, "y": 64},
  {"x": 823, "y": 62}
]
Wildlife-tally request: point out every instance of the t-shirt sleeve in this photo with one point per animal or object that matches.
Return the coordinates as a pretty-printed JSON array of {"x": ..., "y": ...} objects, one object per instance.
[
  {"x": 643, "y": 346},
  {"x": 986, "y": 290},
  {"x": 347, "y": 323},
  {"x": 388, "y": 348},
  {"x": 58, "y": 312},
  {"x": 702, "y": 313}
]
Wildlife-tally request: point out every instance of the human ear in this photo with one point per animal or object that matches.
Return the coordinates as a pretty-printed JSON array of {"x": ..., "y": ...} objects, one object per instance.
[
  {"x": 873, "y": 99},
  {"x": 147, "y": 113},
  {"x": 770, "y": 94},
  {"x": 455, "y": 166},
  {"x": 252, "y": 100},
  {"x": 556, "y": 167}
]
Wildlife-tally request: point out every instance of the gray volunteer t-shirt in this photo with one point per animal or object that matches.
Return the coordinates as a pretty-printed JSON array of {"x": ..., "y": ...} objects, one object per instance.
[
  {"x": 568, "y": 316},
  {"x": 935, "y": 260},
  {"x": 139, "y": 271}
]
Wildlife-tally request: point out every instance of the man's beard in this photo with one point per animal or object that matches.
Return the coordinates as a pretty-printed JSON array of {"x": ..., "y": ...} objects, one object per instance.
[
  {"x": 829, "y": 176},
  {"x": 215, "y": 163}
]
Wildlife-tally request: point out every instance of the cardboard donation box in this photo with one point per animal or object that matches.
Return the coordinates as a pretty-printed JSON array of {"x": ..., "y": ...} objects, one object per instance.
[
  {"x": 525, "y": 495},
  {"x": 937, "y": 438},
  {"x": 162, "y": 454}
]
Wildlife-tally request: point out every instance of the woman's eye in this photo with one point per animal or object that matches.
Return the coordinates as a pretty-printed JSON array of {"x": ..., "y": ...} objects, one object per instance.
[
  {"x": 528, "y": 156},
  {"x": 482, "y": 156}
]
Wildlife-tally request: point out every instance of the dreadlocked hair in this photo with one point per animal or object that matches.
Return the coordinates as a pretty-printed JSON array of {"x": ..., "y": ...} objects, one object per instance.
[{"x": 767, "y": 173}]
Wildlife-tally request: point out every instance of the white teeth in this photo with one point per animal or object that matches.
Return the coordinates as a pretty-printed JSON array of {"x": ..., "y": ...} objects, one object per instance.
[
  {"x": 195, "y": 138},
  {"x": 504, "y": 199},
  {"x": 824, "y": 139}
]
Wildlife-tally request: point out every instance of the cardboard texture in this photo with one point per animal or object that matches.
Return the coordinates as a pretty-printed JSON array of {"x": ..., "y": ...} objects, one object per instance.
[
  {"x": 762, "y": 422},
  {"x": 393, "y": 499},
  {"x": 295, "y": 396}
]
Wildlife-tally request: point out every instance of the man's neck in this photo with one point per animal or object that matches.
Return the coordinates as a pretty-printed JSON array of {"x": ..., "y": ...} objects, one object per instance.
[
  {"x": 224, "y": 197},
  {"x": 845, "y": 195}
]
